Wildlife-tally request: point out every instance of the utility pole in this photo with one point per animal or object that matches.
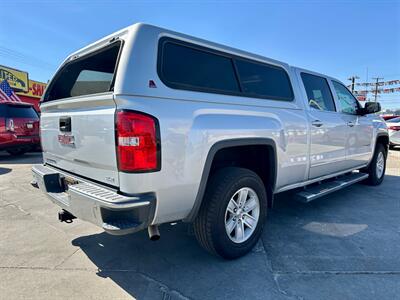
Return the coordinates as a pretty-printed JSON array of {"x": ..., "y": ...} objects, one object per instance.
[
  {"x": 376, "y": 86},
  {"x": 353, "y": 82},
  {"x": 366, "y": 87}
]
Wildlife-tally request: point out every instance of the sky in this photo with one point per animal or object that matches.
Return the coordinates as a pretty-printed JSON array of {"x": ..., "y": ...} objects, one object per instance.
[{"x": 338, "y": 38}]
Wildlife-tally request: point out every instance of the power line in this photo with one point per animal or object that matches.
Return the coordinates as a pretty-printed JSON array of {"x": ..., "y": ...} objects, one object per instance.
[{"x": 24, "y": 58}]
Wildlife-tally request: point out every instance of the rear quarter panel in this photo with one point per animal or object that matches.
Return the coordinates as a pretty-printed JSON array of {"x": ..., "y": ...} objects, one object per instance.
[{"x": 188, "y": 131}]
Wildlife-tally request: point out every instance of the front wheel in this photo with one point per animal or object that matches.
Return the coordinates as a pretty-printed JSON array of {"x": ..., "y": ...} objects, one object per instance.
[
  {"x": 377, "y": 168},
  {"x": 231, "y": 218}
]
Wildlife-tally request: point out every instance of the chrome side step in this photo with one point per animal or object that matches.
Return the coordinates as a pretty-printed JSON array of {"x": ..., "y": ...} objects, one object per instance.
[{"x": 313, "y": 192}]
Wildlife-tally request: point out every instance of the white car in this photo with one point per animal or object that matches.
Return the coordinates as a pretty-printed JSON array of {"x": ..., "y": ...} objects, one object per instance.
[{"x": 394, "y": 132}]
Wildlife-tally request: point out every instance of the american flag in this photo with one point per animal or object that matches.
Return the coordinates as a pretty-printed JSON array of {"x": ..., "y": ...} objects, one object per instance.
[{"x": 7, "y": 94}]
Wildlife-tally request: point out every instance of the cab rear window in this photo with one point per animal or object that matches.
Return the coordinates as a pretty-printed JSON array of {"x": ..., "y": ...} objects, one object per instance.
[{"x": 90, "y": 74}]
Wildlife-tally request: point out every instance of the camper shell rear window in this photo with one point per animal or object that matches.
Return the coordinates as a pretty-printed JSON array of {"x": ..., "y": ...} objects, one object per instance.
[{"x": 90, "y": 74}]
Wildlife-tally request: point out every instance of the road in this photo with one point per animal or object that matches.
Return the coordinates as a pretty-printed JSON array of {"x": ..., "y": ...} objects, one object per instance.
[{"x": 343, "y": 246}]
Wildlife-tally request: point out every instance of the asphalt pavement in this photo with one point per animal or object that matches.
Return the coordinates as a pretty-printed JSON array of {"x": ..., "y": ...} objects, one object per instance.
[{"x": 343, "y": 246}]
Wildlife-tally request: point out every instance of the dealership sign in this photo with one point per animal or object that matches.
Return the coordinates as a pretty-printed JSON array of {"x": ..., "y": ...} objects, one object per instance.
[
  {"x": 18, "y": 80},
  {"x": 36, "y": 89}
]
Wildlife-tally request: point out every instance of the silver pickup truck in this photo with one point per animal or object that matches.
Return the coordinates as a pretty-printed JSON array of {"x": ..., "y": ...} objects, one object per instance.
[{"x": 149, "y": 126}]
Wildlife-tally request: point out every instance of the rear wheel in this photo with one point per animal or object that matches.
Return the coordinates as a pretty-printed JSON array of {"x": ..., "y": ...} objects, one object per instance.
[
  {"x": 17, "y": 152},
  {"x": 376, "y": 169},
  {"x": 231, "y": 218}
]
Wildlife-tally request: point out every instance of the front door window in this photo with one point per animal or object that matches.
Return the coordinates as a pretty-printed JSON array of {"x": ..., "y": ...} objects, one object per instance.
[{"x": 348, "y": 103}]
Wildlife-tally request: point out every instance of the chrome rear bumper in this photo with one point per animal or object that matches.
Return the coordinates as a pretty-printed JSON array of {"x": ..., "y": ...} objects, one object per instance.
[{"x": 115, "y": 213}]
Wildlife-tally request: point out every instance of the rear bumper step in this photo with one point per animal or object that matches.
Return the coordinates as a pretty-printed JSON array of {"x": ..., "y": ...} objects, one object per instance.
[
  {"x": 316, "y": 191},
  {"x": 120, "y": 227},
  {"x": 116, "y": 213}
]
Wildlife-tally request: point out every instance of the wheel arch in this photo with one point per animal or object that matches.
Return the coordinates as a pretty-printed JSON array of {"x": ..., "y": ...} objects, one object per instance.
[
  {"x": 230, "y": 144},
  {"x": 382, "y": 138}
]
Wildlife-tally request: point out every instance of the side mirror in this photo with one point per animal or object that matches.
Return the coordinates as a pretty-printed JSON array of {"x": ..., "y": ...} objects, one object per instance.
[{"x": 371, "y": 108}]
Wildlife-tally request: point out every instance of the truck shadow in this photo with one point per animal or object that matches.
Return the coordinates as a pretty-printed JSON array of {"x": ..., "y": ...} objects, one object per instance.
[
  {"x": 340, "y": 232},
  {"x": 175, "y": 267},
  {"x": 27, "y": 158},
  {"x": 4, "y": 170},
  {"x": 351, "y": 230}
]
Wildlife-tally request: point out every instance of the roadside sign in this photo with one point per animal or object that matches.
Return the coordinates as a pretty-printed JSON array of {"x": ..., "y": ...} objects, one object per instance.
[{"x": 18, "y": 80}]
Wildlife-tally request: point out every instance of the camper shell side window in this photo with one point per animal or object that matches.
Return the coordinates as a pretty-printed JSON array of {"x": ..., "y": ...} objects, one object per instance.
[{"x": 186, "y": 66}]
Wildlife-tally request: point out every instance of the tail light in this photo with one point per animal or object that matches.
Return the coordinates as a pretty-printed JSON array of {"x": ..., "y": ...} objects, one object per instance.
[
  {"x": 2, "y": 124},
  {"x": 9, "y": 124},
  {"x": 138, "y": 144},
  {"x": 395, "y": 128}
]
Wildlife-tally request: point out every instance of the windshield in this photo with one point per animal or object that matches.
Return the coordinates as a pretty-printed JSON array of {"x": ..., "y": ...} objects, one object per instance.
[
  {"x": 90, "y": 74},
  {"x": 395, "y": 120}
]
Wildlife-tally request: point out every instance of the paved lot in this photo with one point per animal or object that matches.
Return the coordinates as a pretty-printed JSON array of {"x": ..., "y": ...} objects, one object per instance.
[{"x": 343, "y": 246}]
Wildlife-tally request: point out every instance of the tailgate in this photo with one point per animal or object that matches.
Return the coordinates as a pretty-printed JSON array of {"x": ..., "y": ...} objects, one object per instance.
[
  {"x": 26, "y": 127},
  {"x": 81, "y": 138}
]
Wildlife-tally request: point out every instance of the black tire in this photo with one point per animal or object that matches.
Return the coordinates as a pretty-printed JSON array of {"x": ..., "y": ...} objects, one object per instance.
[
  {"x": 209, "y": 225},
  {"x": 391, "y": 147},
  {"x": 373, "y": 178},
  {"x": 17, "y": 152}
]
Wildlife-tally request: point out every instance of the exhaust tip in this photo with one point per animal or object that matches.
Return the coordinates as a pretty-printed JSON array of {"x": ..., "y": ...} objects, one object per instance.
[
  {"x": 34, "y": 184},
  {"x": 154, "y": 233},
  {"x": 155, "y": 238}
]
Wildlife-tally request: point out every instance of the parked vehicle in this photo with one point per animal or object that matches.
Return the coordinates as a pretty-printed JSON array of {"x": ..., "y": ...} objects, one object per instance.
[
  {"x": 389, "y": 117},
  {"x": 19, "y": 128},
  {"x": 149, "y": 126},
  {"x": 394, "y": 132}
]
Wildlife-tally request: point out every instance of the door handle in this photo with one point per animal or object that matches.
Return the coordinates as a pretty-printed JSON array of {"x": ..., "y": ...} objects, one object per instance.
[
  {"x": 350, "y": 124},
  {"x": 65, "y": 124},
  {"x": 316, "y": 123}
]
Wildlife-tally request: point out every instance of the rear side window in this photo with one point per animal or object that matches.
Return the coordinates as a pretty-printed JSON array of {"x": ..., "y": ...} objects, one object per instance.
[
  {"x": 187, "y": 66},
  {"x": 90, "y": 74},
  {"x": 16, "y": 111},
  {"x": 264, "y": 80},
  {"x": 318, "y": 92},
  {"x": 190, "y": 68}
]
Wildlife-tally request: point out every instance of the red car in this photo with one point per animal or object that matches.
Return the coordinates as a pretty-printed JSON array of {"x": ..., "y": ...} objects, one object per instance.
[
  {"x": 19, "y": 128},
  {"x": 389, "y": 117}
]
